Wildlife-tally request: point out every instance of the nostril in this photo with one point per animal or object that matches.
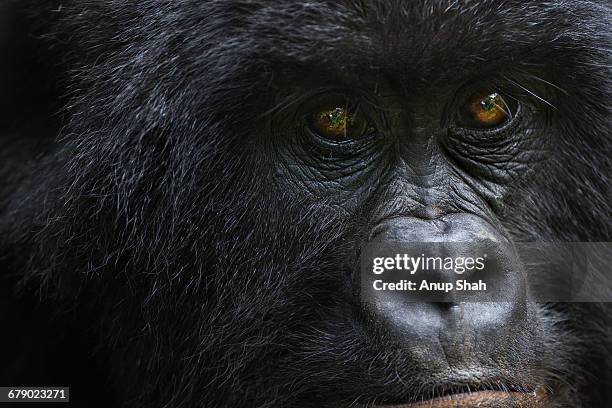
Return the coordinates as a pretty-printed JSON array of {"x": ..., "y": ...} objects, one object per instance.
[{"x": 445, "y": 306}]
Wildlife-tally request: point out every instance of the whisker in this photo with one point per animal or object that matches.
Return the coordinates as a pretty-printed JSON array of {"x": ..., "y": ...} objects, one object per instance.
[
  {"x": 531, "y": 93},
  {"x": 537, "y": 78}
]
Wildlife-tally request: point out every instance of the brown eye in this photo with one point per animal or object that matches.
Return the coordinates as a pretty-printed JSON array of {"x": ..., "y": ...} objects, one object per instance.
[
  {"x": 339, "y": 123},
  {"x": 485, "y": 110}
]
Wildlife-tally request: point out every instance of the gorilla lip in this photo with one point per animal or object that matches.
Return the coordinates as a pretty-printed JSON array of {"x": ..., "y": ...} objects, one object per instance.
[{"x": 482, "y": 399}]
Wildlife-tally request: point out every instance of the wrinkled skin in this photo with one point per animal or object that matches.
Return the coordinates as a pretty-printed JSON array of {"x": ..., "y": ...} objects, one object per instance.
[{"x": 193, "y": 244}]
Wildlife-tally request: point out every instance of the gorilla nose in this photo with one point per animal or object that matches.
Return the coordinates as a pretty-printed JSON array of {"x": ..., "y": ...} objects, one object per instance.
[
  {"x": 442, "y": 278},
  {"x": 450, "y": 228}
]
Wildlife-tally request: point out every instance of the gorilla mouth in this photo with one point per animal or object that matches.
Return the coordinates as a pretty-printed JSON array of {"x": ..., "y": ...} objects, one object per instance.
[{"x": 483, "y": 398}]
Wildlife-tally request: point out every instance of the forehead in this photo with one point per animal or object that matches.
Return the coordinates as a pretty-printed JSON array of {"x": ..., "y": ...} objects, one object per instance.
[{"x": 416, "y": 37}]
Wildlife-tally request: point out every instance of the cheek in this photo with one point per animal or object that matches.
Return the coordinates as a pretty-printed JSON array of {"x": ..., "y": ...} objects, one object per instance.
[
  {"x": 346, "y": 187},
  {"x": 502, "y": 159},
  {"x": 313, "y": 173}
]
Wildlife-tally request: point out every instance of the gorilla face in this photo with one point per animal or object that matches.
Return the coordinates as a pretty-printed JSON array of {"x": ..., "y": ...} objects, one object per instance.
[{"x": 222, "y": 165}]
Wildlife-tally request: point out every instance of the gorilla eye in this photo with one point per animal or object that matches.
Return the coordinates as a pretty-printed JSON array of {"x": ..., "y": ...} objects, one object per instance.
[
  {"x": 485, "y": 111},
  {"x": 339, "y": 123}
]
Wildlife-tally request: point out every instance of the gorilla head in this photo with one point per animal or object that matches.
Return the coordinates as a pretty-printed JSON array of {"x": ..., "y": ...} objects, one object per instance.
[{"x": 221, "y": 164}]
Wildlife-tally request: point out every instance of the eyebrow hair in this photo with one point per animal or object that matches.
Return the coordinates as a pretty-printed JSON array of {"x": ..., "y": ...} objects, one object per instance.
[{"x": 391, "y": 34}]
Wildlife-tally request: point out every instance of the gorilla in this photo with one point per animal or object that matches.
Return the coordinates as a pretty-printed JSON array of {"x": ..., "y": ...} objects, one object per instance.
[{"x": 186, "y": 189}]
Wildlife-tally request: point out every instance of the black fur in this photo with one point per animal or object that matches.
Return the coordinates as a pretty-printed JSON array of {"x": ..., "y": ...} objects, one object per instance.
[{"x": 150, "y": 213}]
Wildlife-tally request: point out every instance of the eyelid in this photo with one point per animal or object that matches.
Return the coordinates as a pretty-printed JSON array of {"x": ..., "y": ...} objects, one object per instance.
[{"x": 298, "y": 99}]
